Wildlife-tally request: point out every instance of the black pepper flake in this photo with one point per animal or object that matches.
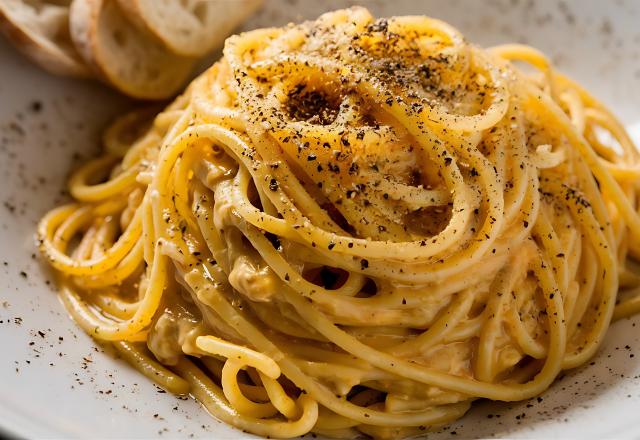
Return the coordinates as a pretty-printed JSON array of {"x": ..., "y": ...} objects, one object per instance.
[
  {"x": 273, "y": 185},
  {"x": 364, "y": 264},
  {"x": 312, "y": 106},
  {"x": 380, "y": 25},
  {"x": 36, "y": 106},
  {"x": 331, "y": 245}
]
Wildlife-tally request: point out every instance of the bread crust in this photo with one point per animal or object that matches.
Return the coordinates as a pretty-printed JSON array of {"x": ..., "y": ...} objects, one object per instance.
[
  {"x": 88, "y": 37},
  {"x": 202, "y": 42},
  {"x": 42, "y": 51}
]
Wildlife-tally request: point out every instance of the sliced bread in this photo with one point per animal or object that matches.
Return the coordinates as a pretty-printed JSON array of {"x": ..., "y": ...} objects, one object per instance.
[
  {"x": 190, "y": 27},
  {"x": 40, "y": 29},
  {"x": 129, "y": 58}
]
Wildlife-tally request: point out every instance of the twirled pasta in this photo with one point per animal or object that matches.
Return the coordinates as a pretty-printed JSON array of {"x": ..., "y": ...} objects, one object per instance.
[{"x": 356, "y": 226}]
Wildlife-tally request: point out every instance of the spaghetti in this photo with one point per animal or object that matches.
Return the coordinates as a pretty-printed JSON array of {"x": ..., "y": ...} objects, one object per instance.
[{"x": 356, "y": 226}]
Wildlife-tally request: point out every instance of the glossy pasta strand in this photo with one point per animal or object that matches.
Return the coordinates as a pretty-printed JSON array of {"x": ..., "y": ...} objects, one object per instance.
[{"x": 355, "y": 226}]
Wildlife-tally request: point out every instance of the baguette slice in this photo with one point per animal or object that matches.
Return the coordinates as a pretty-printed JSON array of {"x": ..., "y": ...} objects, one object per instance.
[
  {"x": 40, "y": 29},
  {"x": 129, "y": 58},
  {"x": 190, "y": 27}
]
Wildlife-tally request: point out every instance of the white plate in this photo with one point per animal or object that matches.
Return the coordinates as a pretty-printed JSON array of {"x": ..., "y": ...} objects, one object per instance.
[{"x": 58, "y": 383}]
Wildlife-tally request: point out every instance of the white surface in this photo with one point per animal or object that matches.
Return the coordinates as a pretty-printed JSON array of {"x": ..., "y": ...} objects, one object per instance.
[{"x": 60, "y": 388}]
